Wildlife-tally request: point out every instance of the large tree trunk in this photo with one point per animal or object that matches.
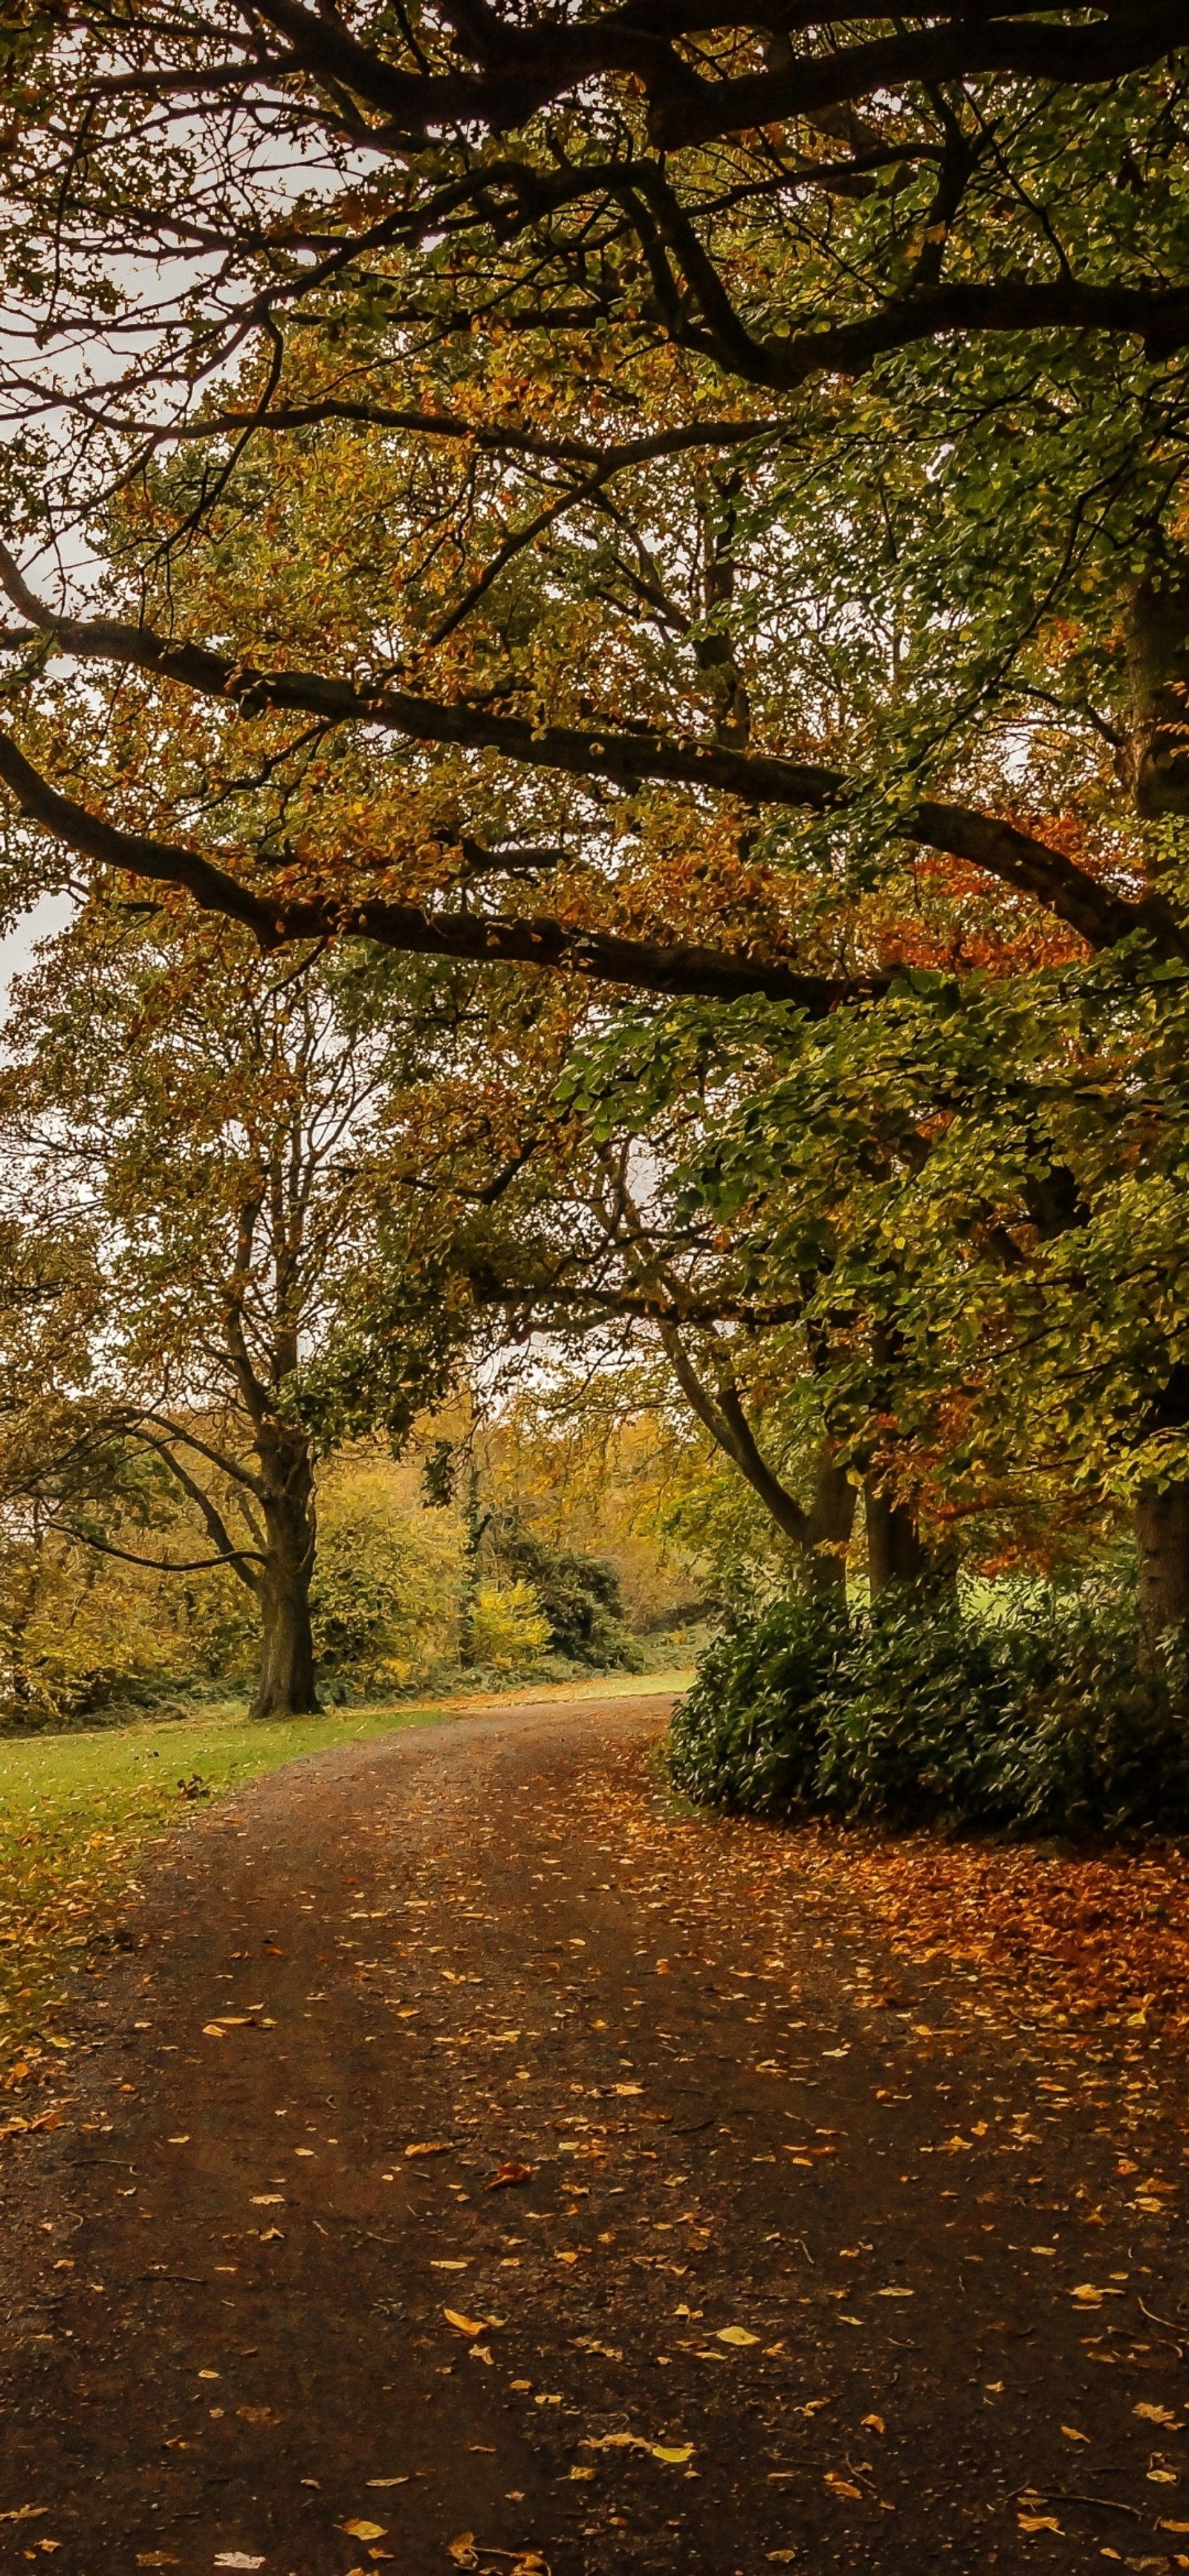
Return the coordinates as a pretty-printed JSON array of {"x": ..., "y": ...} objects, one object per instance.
[
  {"x": 827, "y": 1528},
  {"x": 896, "y": 1550},
  {"x": 1162, "y": 1548},
  {"x": 286, "y": 1685}
]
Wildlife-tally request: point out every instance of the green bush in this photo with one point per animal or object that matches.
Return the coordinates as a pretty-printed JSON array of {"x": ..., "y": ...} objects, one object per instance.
[
  {"x": 921, "y": 1713},
  {"x": 579, "y": 1596}
]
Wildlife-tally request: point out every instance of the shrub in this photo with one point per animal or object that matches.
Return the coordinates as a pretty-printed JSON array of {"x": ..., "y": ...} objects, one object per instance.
[
  {"x": 386, "y": 1589},
  {"x": 578, "y": 1595},
  {"x": 507, "y": 1629},
  {"x": 916, "y": 1712}
]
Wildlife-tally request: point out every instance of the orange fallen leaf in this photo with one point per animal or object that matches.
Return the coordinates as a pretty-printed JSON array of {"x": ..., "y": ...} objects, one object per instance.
[
  {"x": 432, "y": 2147},
  {"x": 363, "y": 2530},
  {"x": 1038, "y": 2522},
  {"x": 464, "y": 2325},
  {"x": 509, "y": 2174}
]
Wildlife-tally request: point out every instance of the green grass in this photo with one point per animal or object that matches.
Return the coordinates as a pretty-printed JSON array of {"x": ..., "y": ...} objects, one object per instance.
[{"x": 78, "y": 1809}]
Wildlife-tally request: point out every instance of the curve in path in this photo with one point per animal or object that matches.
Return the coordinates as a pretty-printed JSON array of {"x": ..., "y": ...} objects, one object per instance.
[{"x": 791, "y": 2261}]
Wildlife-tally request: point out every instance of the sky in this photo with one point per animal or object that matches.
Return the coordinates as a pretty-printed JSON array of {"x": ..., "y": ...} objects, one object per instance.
[{"x": 15, "y": 951}]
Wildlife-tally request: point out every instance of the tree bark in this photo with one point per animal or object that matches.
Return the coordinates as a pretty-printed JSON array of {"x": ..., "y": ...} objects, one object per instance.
[
  {"x": 1162, "y": 1548},
  {"x": 827, "y": 1528},
  {"x": 896, "y": 1550},
  {"x": 286, "y": 1686}
]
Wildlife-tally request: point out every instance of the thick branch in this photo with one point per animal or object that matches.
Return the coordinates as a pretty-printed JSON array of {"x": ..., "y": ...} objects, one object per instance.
[
  {"x": 997, "y": 847},
  {"x": 464, "y": 936}
]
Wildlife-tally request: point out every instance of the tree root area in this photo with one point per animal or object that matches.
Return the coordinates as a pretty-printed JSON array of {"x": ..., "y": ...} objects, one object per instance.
[{"x": 479, "y": 2163}]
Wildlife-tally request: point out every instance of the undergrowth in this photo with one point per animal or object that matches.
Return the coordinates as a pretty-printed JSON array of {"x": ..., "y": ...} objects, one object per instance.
[{"x": 919, "y": 1712}]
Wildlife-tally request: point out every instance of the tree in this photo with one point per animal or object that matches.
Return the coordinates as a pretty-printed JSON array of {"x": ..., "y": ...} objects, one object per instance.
[
  {"x": 210, "y": 1124},
  {"x": 721, "y": 535}
]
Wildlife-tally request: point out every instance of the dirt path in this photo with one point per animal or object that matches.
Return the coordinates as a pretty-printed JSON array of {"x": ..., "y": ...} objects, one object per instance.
[{"x": 813, "y": 2268}]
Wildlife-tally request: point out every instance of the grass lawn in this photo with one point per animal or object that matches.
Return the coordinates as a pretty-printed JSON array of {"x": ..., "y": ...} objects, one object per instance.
[{"x": 77, "y": 1810}]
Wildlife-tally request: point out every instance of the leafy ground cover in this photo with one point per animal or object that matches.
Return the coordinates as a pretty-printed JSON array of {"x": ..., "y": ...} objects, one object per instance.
[{"x": 1056, "y": 1933}]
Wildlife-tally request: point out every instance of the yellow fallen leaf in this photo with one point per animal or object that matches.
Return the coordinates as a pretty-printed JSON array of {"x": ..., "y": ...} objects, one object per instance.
[
  {"x": 1089, "y": 2294},
  {"x": 462, "y": 2550},
  {"x": 1038, "y": 2522},
  {"x": 627, "y": 2088},
  {"x": 842, "y": 2487},
  {"x": 734, "y": 2334},
  {"x": 1159, "y": 2415},
  {"x": 268, "y": 2200},
  {"x": 443, "y": 2264},
  {"x": 386, "y": 2482},
  {"x": 675, "y": 2454},
  {"x": 1072, "y": 2434},
  {"x": 873, "y": 2424},
  {"x": 1172, "y": 2526},
  {"x": 1162, "y": 2477},
  {"x": 433, "y": 2147},
  {"x": 582, "y": 2473},
  {"x": 465, "y": 2325},
  {"x": 363, "y": 2530},
  {"x": 567, "y": 2258},
  {"x": 212, "y": 2030}
]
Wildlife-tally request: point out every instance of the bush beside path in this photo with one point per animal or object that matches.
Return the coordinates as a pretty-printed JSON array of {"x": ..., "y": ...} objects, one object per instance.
[{"x": 479, "y": 2162}]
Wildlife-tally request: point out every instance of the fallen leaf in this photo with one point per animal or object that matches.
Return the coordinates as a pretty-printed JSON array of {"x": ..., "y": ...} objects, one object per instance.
[
  {"x": 156, "y": 2558},
  {"x": 214, "y": 2030},
  {"x": 508, "y": 2174},
  {"x": 237, "y": 2558},
  {"x": 465, "y": 2325},
  {"x": 1072, "y": 2434},
  {"x": 1159, "y": 2415},
  {"x": 271, "y": 2236},
  {"x": 23, "y": 2512},
  {"x": 462, "y": 2550},
  {"x": 386, "y": 2482},
  {"x": 842, "y": 2487},
  {"x": 268, "y": 2200},
  {"x": 873, "y": 2424},
  {"x": 363, "y": 2530},
  {"x": 433, "y": 2147},
  {"x": 627, "y": 2088},
  {"x": 1037, "y": 2522},
  {"x": 895, "y": 2293},
  {"x": 674, "y": 2454},
  {"x": 448, "y": 2263},
  {"x": 734, "y": 2334},
  {"x": 582, "y": 2473}
]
